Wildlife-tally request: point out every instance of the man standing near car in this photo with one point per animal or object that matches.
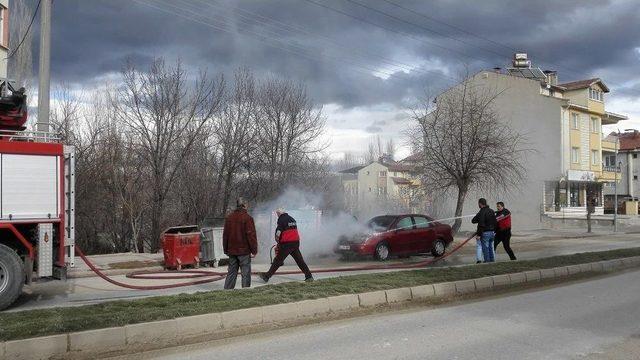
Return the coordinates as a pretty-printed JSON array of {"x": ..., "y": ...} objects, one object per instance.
[
  {"x": 240, "y": 244},
  {"x": 486, "y": 220},
  {"x": 503, "y": 233},
  {"x": 288, "y": 240}
]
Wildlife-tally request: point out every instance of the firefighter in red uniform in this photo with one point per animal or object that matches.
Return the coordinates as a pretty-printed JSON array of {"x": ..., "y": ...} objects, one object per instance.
[
  {"x": 288, "y": 240},
  {"x": 503, "y": 235}
]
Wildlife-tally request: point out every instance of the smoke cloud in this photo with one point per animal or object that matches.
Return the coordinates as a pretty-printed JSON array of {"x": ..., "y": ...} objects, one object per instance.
[{"x": 319, "y": 230}]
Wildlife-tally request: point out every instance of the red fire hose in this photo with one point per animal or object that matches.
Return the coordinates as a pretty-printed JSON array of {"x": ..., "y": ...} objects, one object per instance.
[
  {"x": 212, "y": 276},
  {"x": 201, "y": 273}
]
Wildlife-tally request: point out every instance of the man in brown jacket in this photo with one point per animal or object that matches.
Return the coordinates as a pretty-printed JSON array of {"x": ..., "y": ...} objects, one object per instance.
[{"x": 240, "y": 244}]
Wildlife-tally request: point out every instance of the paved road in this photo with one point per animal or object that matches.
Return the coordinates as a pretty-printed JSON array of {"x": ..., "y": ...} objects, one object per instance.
[
  {"x": 586, "y": 320},
  {"x": 84, "y": 291}
]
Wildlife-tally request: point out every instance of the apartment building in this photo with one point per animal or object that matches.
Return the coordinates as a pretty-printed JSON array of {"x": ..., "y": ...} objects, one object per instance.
[
  {"x": 382, "y": 186},
  {"x": 626, "y": 164},
  {"x": 4, "y": 37},
  {"x": 563, "y": 125}
]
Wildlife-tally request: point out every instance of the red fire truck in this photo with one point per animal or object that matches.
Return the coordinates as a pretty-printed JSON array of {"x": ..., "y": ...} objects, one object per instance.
[{"x": 36, "y": 200}]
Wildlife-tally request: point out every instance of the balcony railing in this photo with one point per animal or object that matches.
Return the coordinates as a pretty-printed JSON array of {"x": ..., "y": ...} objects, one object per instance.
[{"x": 610, "y": 168}]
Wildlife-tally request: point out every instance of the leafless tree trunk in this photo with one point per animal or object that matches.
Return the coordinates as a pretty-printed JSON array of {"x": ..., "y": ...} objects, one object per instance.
[{"x": 464, "y": 144}]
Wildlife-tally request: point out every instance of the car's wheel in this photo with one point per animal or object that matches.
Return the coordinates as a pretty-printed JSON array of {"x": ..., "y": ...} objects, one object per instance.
[
  {"x": 11, "y": 276},
  {"x": 382, "y": 251},
  {"x": 438, "y": 248}
]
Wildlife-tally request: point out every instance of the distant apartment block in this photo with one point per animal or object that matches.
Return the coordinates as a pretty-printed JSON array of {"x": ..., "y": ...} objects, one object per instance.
[{"x": 383, "y": 186}]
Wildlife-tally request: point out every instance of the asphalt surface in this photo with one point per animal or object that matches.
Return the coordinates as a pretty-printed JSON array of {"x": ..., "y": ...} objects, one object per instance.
[
  {"x": 83, "y": 291},
  {"x": 597, "y": 319}
]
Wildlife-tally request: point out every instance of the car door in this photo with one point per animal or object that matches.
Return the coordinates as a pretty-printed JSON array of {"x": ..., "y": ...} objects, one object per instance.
[
  {"x": 424, "y": 235},
  {"x": 402, "y": 235}
]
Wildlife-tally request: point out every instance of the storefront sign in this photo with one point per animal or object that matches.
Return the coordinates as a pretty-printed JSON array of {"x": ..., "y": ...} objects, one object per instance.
[{"x": 579, "y": 175}]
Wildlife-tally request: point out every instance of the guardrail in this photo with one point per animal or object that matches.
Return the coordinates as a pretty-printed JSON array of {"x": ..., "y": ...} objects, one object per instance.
[{"x": 27, "y": 135}]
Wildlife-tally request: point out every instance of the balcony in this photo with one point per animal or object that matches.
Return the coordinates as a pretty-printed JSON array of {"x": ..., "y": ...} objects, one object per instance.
[{"x": 610, "y": 173}]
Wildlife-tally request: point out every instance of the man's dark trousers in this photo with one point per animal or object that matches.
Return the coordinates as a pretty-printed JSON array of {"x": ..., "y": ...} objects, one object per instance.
[
  {"x": 504, "y": 237},
  {"x": 284, "y": 250},
  {"x": 244, "y": 263}
]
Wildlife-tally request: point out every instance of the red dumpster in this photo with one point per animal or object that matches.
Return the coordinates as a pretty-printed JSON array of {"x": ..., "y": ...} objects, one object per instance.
[{"x": 181, "y": 246}]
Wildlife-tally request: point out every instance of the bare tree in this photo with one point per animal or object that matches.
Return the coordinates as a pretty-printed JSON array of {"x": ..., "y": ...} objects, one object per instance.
[
  {"x": 463, "y": 142},
  {"x": 349, "y": 160},
  {"x": 375, "y": 149},
  {"x": 235, "y": 134},
  {"x": 390, "y": 149},
  {"x": 65, "y": 115},
  {"x": 165, "y": 114},
  {"x": 290, "y": 130}
]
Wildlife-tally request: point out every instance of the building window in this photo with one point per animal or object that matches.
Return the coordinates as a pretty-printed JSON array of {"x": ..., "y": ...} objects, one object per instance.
[
  {"x": 635, "y": 156},
  {"x": 635, "y": 177},
  {"x": 595, "y": 125},
  {"x": 595, "y": 94},
  {"x": 383, "y": 173},
  {"x": 575, "y": 155},
  {"x": 595, "y": 157},
  {"x": 610, "y": 161},
  {"x": 575, "y": 121}
]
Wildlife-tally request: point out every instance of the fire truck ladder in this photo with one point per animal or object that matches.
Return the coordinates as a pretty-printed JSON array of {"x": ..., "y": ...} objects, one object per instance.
[{"x": 70, "y": 204}]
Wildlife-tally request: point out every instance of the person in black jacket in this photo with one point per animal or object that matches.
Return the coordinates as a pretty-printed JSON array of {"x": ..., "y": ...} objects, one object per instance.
[
  {"x": 288, "y": 240},
  {"x": 486, "y": 229}
]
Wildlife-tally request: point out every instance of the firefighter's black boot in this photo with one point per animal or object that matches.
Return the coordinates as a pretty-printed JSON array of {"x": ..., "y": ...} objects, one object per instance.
[{"x": 264, "y": 277}]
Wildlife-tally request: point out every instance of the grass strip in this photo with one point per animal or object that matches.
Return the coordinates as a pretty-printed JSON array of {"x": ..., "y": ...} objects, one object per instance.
[{"x": 33, "y": 323}]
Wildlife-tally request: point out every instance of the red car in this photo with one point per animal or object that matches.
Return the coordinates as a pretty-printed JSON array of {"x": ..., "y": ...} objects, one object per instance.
[{"x": 401, "y": 235}]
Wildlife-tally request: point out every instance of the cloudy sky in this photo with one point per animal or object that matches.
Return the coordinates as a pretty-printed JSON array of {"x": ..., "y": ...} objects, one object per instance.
[{"x": 364, "y": 61}]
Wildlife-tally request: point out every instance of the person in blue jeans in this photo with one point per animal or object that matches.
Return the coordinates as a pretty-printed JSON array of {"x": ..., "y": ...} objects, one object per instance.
[
  {"x": 479, "y": 257},
  {"x": 486, "y": 229}
]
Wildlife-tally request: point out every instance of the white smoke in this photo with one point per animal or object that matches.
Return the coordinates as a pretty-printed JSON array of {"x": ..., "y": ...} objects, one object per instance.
[{"x": 319, "y": 230}]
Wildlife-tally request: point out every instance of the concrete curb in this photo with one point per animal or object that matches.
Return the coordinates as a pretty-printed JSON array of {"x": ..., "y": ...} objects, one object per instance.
[{"x": 158, "y": 334}]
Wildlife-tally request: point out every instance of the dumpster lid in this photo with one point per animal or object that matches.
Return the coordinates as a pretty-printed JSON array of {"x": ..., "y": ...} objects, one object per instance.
[{"x": 182, "y": 229}]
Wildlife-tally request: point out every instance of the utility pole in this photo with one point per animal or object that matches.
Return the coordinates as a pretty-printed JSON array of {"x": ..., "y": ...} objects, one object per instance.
[
  {"x": 615, "y": 187},
  {"x": 45, "y": 59}
]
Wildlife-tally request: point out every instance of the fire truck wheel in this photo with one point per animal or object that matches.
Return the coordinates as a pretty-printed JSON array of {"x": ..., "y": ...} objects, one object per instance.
[{"x": 11, "y": 276}]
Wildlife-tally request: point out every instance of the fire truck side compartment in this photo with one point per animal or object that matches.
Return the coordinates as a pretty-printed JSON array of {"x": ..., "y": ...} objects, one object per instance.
[{"x": 30, "y": 188}]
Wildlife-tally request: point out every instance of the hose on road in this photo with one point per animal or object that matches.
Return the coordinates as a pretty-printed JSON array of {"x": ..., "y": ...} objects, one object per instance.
[{"x": 212, "y": 276}]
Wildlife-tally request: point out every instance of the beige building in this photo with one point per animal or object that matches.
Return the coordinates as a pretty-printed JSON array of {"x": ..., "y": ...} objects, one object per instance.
[
  {"x": 4, "y": 37},
  {"x": 382, "y": 187},
  {"x": 563, "y": 124}
]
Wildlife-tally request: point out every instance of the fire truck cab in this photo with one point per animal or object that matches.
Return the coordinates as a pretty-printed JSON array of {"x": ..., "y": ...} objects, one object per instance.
[{"x": 36, "y": 201}]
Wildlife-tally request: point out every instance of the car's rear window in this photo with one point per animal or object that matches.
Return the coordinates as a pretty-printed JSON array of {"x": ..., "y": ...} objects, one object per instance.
[{"x": 380, "y": 223}]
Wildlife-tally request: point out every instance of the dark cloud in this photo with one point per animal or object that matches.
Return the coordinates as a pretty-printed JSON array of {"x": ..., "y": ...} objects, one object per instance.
[{"x": 336, "y": 55}]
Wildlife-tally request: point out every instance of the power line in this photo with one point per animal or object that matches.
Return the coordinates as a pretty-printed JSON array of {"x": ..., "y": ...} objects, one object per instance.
[
  {"x": 273, "y": 33},
  {"x": 278, "y": 43},
  {"x": 292, "y": 28},
  {"x": 421, "y": 27},
  {"x": 421, "y": 14},
  {"x": 449, "y": 25},
  {"x": 26, "y": 32},
  {"x": 392, "y": 30}
]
